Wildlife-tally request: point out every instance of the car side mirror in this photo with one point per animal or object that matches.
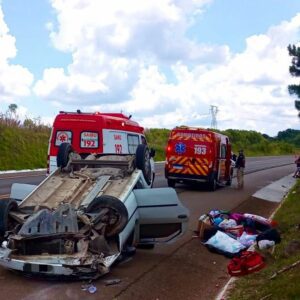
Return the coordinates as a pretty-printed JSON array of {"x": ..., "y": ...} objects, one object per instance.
[{"x": 152, "y": 152}]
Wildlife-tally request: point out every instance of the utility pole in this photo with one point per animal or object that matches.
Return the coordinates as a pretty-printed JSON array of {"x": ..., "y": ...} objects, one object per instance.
[{"x": 213, "y": 111}]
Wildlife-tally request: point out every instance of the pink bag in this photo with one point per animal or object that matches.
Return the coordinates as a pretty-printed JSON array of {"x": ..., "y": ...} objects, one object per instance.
[{"x": 237, "y": 217}]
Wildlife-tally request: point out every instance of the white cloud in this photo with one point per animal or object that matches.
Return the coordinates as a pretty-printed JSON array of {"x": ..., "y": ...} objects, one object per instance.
[
  {"x": 135, "y": 56},
  {"x": 113, "y": 42},
  {"x": 15, "y": 80}
]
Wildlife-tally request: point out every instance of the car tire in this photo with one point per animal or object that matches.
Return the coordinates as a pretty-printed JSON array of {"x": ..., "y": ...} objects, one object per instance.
[
  {"x": 171, "y": 183},
  {"x": 117, "y": 209},
  {"x": 143, "y": 162},
  {"x": 6, "y": 205},
  {"x": 63, "y": 154},
  {"x": 212, "y": 182}
]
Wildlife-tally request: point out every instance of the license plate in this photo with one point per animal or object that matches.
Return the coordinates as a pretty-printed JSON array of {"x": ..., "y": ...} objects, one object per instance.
[{"x": 178, "y": 167}]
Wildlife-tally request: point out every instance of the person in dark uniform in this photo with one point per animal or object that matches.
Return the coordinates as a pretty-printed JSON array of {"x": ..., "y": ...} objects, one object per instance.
[
  {"x": 297, "y": 172},
  {"x": 240, "y": 166}
]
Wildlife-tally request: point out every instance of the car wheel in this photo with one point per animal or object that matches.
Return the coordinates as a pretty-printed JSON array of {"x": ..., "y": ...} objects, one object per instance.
[
  {"x": 117, "y": 216},
  {"x": 171, "y": 183},
  {"x": 63, "y": 154},
  {"x": 6, "y": 205},
  {"x": 143, "y": 162}
]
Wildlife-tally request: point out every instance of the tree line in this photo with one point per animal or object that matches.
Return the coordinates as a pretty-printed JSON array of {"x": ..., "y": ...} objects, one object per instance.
[
  {"x": 294, "y": 69},
  {"x": 11, "y": 118}
]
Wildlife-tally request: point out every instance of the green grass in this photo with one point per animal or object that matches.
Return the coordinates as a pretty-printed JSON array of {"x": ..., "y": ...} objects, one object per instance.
[
  {"x": 23, "y": 148},
  {"x": 287, "y": 284},
  {"x": 157, "y": 139}
]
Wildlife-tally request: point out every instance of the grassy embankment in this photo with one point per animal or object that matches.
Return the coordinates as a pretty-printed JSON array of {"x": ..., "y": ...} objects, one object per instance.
[
  {"x": 285, "y": 285},
  {"x": 25, "y": 146}
]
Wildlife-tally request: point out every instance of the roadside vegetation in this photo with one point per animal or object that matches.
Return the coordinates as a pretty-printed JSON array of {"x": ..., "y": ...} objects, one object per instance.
[
  {"x": 256, "y": 144},
  {"x": 253, "y": 143},
  {"x": 23, "y": 145},
  {"x": 285, "y": 285}
]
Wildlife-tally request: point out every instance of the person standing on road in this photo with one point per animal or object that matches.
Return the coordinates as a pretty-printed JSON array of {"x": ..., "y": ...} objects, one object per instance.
[
  {"x": 240, "y": 166},
  {"x": 297, "y": 172}
]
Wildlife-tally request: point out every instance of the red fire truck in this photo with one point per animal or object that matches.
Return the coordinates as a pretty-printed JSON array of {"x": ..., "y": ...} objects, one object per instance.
[
  {"x": 198, "y": 155},
  {"x": 100, "y": 133}
]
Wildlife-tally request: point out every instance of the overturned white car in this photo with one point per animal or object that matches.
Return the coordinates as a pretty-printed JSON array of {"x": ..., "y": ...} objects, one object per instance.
[{"x": 78, "y": 221}]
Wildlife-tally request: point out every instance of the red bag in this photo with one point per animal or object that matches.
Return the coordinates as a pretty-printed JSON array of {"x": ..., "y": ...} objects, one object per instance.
[{"x": 247, "y": 263}]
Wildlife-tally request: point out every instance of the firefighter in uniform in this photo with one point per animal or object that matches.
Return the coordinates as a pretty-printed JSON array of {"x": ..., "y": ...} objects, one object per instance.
[{"x": 240, "y": 166}]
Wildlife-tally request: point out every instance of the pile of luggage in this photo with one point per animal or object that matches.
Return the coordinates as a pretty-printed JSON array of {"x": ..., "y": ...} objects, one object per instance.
[{"x": 233, "y": 234}]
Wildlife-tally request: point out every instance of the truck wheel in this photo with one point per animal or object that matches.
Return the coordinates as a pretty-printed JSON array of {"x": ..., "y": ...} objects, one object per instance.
[
  {"x": 6, "y": 205},
  {"x": 143, "y": 161},
  {"x": 212, "y": 183},
  {"x": 117, "y": 217},
  {"x": 171, "y": 183},
  {"x": 63, "y": 154}
]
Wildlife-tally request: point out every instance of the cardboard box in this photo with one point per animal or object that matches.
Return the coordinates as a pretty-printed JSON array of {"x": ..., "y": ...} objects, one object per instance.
[{"x": 202, "y": 225}]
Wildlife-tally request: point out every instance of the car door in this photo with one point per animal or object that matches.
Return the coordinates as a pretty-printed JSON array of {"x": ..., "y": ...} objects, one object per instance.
[{"x": 161, "y": 216}]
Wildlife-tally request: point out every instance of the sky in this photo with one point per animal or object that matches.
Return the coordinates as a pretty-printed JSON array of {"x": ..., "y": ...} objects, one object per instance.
[{"x": 165, "y": 62}]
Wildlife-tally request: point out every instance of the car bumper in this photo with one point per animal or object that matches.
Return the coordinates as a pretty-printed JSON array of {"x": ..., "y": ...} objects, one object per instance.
[
  {"x": 185, "y": 177},
  {"x": 57, "y": 266}
]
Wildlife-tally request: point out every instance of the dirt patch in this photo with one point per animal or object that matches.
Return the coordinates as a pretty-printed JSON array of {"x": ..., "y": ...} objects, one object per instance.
[{"x": 256, "y": 206}]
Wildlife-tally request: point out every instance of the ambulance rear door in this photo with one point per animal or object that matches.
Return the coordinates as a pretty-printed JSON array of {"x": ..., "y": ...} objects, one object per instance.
[
  {"x": 81, "y": 131},
  {"x": 190, "y": 153}
]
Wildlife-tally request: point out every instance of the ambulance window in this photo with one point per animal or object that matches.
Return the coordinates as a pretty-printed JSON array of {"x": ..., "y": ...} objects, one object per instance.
[
  {"x": 133, "y": 141},
  {"x": 223, "y": 151},
  {"x": 63, "y": 137},
  {"x": 89, "y": 139}
]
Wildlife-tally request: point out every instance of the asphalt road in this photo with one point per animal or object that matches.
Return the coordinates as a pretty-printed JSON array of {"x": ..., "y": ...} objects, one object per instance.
[
  {"x": 183, "y": 270},
  {"x": 7, "y": 179},
  {"x": 253, "y": 164}
]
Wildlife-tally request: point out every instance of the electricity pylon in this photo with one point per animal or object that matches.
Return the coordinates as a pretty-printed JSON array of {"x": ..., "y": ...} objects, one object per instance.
[{"x": 213, "y": 111}]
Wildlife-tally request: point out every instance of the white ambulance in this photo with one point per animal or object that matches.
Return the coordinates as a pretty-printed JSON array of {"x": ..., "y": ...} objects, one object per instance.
[{"x": 100, "y": 133}]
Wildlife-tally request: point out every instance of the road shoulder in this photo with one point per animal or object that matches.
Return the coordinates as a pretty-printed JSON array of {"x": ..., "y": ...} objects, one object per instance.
[
  {"x": 265, "y": 202},
  {"x": 276, "y": 191}
]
